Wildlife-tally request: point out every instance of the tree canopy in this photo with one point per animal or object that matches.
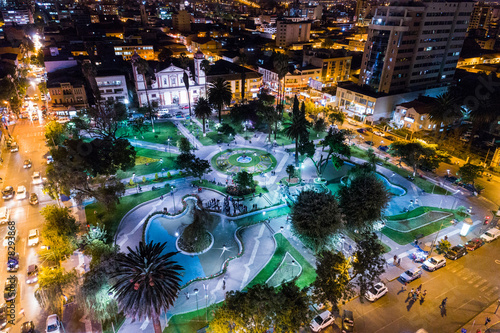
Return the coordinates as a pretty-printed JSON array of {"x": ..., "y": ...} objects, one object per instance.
[
  {"x": 418, "y": 154},
  {"x": 470, "y": 172}
]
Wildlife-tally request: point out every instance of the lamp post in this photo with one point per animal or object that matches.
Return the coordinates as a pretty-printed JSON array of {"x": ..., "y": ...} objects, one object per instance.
[
  {"x": 168, "y": 146},
  {"x": 196, "y": 293},
  {"x": 206, "y": 301},
  {"x": 173, "y": 198}
]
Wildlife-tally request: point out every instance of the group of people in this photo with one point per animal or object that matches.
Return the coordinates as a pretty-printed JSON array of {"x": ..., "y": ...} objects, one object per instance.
[{"x": 414, "y": 294}]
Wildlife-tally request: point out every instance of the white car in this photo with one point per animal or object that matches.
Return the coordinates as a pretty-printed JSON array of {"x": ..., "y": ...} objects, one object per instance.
[
  {"x": 37, "y": 178},
  {"x": 434, "y": 263},
  {"x": 376, "y": 291},
  {"x": 33, "y": 237},
  {"x": 21, "y": 193},
  {"x": 379, "y": 133},
  {"x": 490, "y": 235},
  {"x": 53, "y": 324},
  {"x": 10, "y": 237},
  {"x": 321, "y": 321}
]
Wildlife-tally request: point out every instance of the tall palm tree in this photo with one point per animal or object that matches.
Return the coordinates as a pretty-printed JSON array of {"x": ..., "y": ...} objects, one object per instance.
[
  {"x": 143, "y": 68},
  {"x": 202, "y": 110},
  {"x": 205, "y": 67},
  {"x": 280, "y": 64},
  {"x": 185, "y": 78},
  {"x": 445, "y": 109},
  {"x": 147, "y": 282},
  {"x": 297, "y": 128},
  {"x": 242, "y": 61},
  {"x": 219, "y": 94},
  {"x": 90, "y": 72}
]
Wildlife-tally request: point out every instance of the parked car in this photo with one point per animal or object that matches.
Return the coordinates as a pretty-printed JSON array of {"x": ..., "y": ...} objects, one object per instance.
[
  {"x": 390, "y": 137},
  {"x": 37, "y": 178},
  {"x": 361, "y": 130},
  {"x": 21, "y": 193},
  {"x": 370, "y": 143},
  {"x": 376, "y": 291},
  {"x": 4, "y": 215},
  {"x": 53, "y": 324},
  {"x": 13, "y": 262},
  {"x": 185, "y": 107},
  {"x": 14, "y": 147},
  {"x": 28, "y": 327},
  {"x": 434, "y": 263},
  {"x": 383, "y": 148},
  {"x": 33, "y": 199},
  {"x": 474, "y": 243},
  {"x": 27, "y": 164},
  {"x": 50, "y": 159},
  {"x": 490, "y": 235},
  {"x": 33, "y": 237},
  {"x": 411, "y": 274},
  {"x": 321, "y": 321},
  {"x": 456, "y": 252},
  {"x": 10, "y": 288},
  {"x": 178, "y": 114},
  {"x": 347, "y": 321},
  {"x": 166, "y": 115},
  {"x": 32, "y": 274},
  {"x": 8, "y": 193},
  {"x": 10, "y": 236},
  {"x": 451, "y": 179},
  {"x": 379, "y": 133},
  {"x": 3, "y": 315}
]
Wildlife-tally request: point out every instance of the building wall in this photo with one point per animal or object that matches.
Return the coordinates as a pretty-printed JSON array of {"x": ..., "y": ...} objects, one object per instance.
[
  {"x": 411, "y": 120},
  {"x": 127, "y": 51},
  {"x": 414, "y": 47},
  {"x": 17, "y": 16},
  {"x": 113, "y": 88},
  {"x": 333, "y": 69},
  {"x": 182, "y": 21},
  {"x": 288, "y": 32},
  {"x": 55, "y": 65},
  {"x": 66, "y": 94}
]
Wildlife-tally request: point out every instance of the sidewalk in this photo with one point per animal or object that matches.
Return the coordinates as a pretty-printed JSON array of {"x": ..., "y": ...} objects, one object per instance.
[{"x": 478, "y": 322}]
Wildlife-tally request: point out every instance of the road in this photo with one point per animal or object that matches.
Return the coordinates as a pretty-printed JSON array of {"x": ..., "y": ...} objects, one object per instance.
[{"x": 470, "y": 284}]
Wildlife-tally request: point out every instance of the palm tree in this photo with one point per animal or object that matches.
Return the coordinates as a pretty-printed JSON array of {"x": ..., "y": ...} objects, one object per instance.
[
  {"x": 219, "y": 94},
  {"x": 202, "y": 110},
  {"x": 90, "y": 71},
  {"x": 205, "y": 67},
  {"x": 147, "y": 282},
  {"x": 280, "y": 64},
  {"x": 297, "y": 128},
  {"x": 242, "y": 61},
  {"x": 185, "y": 78},
  {"x": 143, "y": 68}
]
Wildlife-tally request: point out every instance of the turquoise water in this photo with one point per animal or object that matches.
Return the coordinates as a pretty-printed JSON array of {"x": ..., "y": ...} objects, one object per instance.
[{"x": 392, "y": 188}]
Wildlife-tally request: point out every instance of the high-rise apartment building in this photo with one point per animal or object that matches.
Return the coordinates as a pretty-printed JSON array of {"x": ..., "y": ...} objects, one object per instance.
[
  {"x": 361, "y": 10},
  {"x": 17, "y": 16},
  {"x": 182, "y": 21},
  {"x": 291, "y": 31},
  {"x": 480, "y": 19},
  {"x": 414, "y": 46}
]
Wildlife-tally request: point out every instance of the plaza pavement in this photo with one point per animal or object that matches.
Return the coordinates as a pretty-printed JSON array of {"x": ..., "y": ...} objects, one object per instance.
[{"x": 130, "y": 230}]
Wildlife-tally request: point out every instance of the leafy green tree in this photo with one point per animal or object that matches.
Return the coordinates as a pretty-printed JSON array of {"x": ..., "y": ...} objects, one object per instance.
[
  {"x": 319, "y": 125},
  {"x": 290, "y": 171},
  {"x": 219, "y": 94},
  {"x": 336, "y": 116},
  {"x": 195, "y": 237},
  {"x": 53, "y": 283},
  {"x": 298, "y": 127},
  {"x": 60, "y": 220},
  {"x": 443, "y": 245},
  {"x": 281, "y": 66},
  {"x": 268, "y": 116},
  {"x": 470, "y": 172},
  {"x": 316, "y": 217},
  {"x": 55, "y": 133},
  {"x": 147, "y": 282},
  {"x": 332, "y": 283},
  {"x": 165, "y": 55},
  {"x": 198, "y": 167},
  {"x": 368, "y": 263},
  {"x": 244, "y": 180},
  {"x": 184, "y": 160},
  {"x": 291, "y": 308},
  {"x": 415, "y": 153},
  {"x": 363, "y": 200},
  {"x": 138, "y": 125},
  {"x": 202, "y": 110},
  {"x": 336, "y": 149},
  {"x": 57, "y": 247},
  {"x": 227, "y": 130},
  {"x": 184, "y": 145}
]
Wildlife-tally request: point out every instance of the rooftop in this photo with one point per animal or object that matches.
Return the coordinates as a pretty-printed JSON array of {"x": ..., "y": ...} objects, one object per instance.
[{"x": 422, "y": 105}]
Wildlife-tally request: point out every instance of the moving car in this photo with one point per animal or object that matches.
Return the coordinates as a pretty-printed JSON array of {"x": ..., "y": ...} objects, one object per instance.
[
  {"x": 347, "y": 321},
  {"x": 490, "y": 235},
  {"x": 361, "y": 130},
  {"x": 8, "y": 193},
  {"x": 37, "y": 178},
  {"x": 456, "y": 252},
  {"x": 33, "y": 199},
  {"x": 13, "y": 262},
  {"x": 10, "y": 288},
  {"x": 185, "y": 107},
  {"x": 32, "y": 274},
  {"x": 14, "y": 147},
  {"x": 434, "y": 263},
  {"x": 27, "y": 164},
  {"x": 474, "y": 243},
  {"x": 383, "y": 148},
  {"x": 10, "y": 237},
  {"x": 321, "y": 321},
  {"x": 50, "y": 159},
  {"x": 376, "y": 291},
  {"x": 3, "y": 315},
  {"x": 28, "y": 327},
  {"x": 21, "y": 193},
  {"x": 411, "y": 274},
  {"x": 4, "y": 215},
  {"x": 379, "y": 133},
  {"x": 33, "y": 237},
  {"x": 53, "y": 324},
  {"x": 390, "y": 137}
]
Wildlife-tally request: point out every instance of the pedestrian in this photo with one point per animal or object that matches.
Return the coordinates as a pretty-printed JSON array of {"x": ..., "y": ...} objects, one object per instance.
[
  {"x": 443, "y": 303},
  {"x": 417, "y": 292},
  {"x": 487, "y": 321},
  {"x": 21, "y": 312},
  {"x": 399, "y": 262},
  {"x": 403, "y": 287},
  {"x": 187, "y": 295},
  {"x": 161, "y": 197},
  {"x": 411, "y": 292},
  {"x": 224, "y": 284}
]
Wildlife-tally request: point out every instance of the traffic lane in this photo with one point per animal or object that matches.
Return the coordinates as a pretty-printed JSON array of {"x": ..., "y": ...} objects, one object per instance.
[{"x": 470, "y": 283}]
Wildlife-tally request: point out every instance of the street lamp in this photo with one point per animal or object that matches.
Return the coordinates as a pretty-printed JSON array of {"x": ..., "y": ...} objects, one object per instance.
[
  {"x": 206, "y": 301},
  {"x": 173, "y": 198},
  {"x": 168, "y": 147},
  {"x": 196, "y": 293}
]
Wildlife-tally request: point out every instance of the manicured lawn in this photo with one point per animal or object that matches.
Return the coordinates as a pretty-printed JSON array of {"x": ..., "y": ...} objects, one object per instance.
[
  {"x": 163, "y": 132},
  {"x": 355, "y": 238},
  {"x": 305, "y": 279},
  {"x": 148, "y": 161},
  {"x": 212, "y": 138},
  {"x": 403, "y": 238},
  {"x": 204, "y": 183},
  {"x": 407, "y": 225},
  {"x": 112, "y": 219},
  {"x": 188, "y": 322},
  {"x": 255, "y": 159}
]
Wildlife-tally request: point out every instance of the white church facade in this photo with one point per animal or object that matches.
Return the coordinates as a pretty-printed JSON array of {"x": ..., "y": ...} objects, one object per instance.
[{"x": 168, "y": 85}]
